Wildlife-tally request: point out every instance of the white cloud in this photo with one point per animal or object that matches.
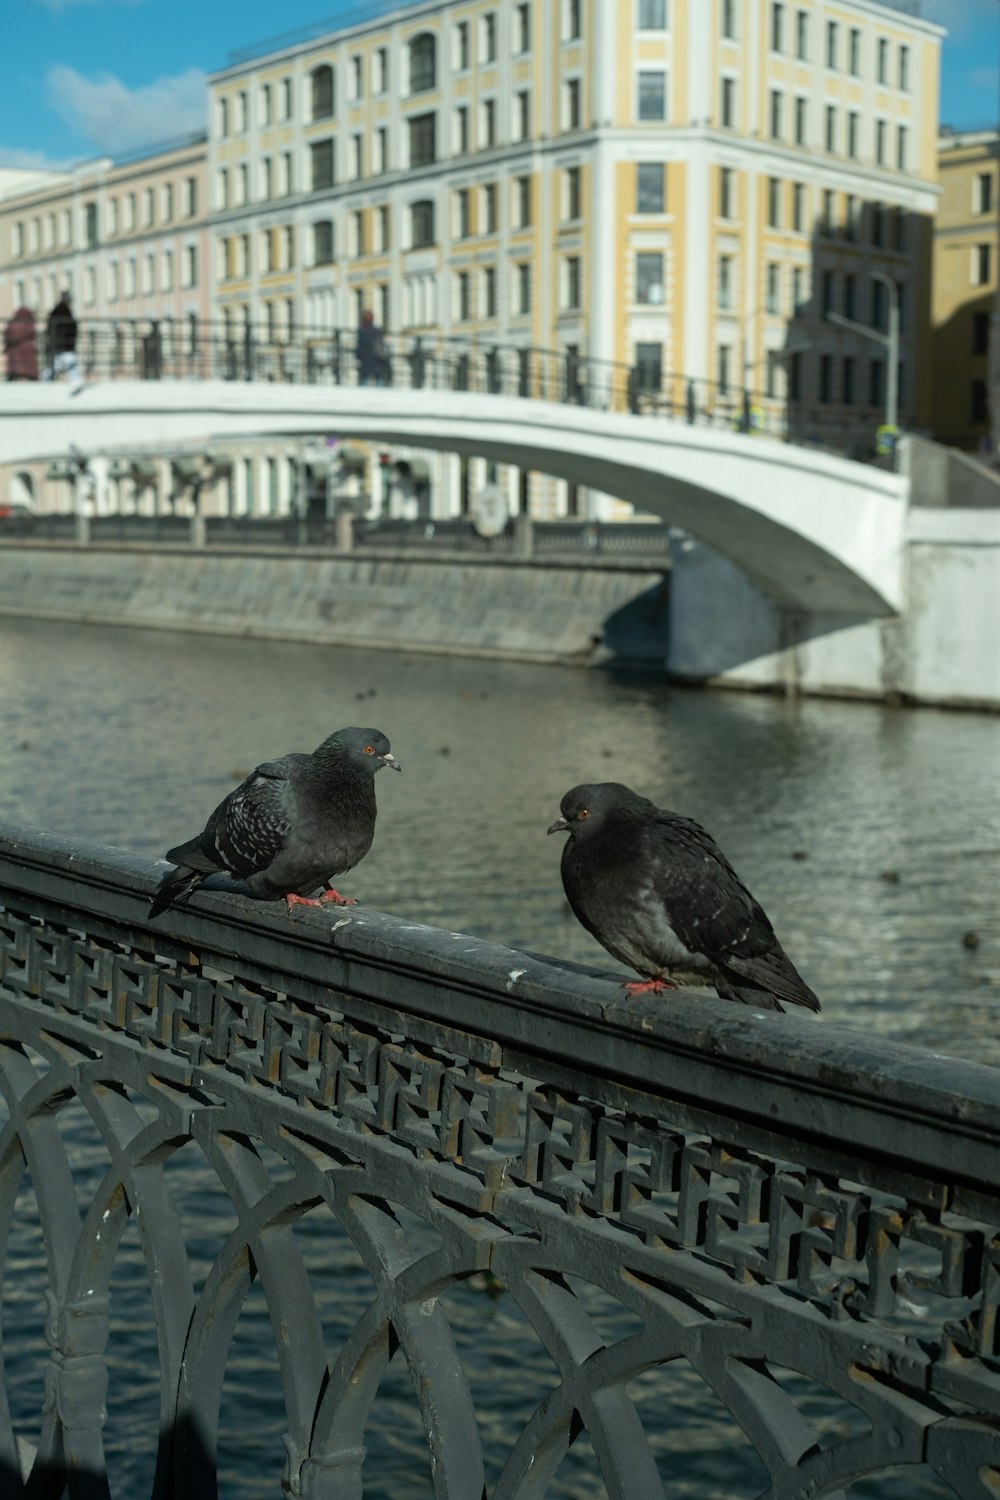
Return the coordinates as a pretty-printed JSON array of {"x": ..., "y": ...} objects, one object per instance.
[
  {"x": 115, "y": 118},
  {"x": 12, "y": 158}
]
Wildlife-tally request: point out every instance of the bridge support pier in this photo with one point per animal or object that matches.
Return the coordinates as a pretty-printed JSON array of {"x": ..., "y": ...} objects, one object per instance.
[
  {"x": 343, "y": 531},
  {"x": 199, "y": 531},
  {"x": 524, "y": 536},
  {"x": 82, "y": 529}
]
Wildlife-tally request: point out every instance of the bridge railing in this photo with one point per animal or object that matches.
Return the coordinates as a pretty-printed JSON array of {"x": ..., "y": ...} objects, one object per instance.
[
  {"x": 148, "y": 349},
  {"x": 800, "y": 1221}
]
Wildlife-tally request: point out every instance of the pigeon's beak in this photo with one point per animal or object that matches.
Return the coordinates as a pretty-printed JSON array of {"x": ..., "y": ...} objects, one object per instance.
[
  {"x": 390, "y": 760},
  {"x": 559, "y": 826}
]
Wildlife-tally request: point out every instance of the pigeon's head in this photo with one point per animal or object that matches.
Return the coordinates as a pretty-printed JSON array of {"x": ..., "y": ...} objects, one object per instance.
[
  {"x": 365, "y": 747},
  {"x": 586, "y": 807}
]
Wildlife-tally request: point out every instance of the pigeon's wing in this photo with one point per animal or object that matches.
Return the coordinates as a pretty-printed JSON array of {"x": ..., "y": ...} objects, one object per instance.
[
  {"x": 713, "y": 913},
  {"x": 248, "y": 830}
]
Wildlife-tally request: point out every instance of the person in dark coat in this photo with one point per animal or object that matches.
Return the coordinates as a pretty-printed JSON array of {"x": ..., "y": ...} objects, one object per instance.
[
  {"x": 61, "y": 341},
  {"x": 20, "y": 347},
  {"x": 370, "y": 351}
]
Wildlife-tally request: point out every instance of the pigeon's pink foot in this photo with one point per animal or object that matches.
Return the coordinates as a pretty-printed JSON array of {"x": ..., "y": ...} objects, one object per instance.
[
  {"x": 338, "y": 900},
  {"x": 294, "y": 900},
  {"x": 648, "y": 986}
]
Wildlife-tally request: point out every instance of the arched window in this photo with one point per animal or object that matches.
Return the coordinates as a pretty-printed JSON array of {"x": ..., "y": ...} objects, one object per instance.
[
  {"x": 322, "y": 243},
  {"x": 421, "y": 224},
  {"x": 321, "y": 80},
  {"x": 423, "y": 62}
]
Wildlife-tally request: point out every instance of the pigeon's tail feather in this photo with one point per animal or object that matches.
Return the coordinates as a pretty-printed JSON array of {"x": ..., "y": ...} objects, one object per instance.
[
  {"x": 765, "y": 980},
  {"x": 175, "y": 886}
]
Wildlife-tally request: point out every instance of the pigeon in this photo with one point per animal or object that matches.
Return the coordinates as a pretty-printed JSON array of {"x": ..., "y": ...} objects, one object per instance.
[
  {"x": 656, "y": 890},
  {"x": 290, "y": 826}
]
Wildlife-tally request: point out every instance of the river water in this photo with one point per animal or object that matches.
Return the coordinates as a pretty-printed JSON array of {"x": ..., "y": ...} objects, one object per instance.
[{"x": 870, "y": 835}]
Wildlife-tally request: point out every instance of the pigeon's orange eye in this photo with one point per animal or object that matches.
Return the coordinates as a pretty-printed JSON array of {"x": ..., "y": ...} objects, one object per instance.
[
  {"x": 584, "y": 812},
  {"x": 369, "y": 749}
]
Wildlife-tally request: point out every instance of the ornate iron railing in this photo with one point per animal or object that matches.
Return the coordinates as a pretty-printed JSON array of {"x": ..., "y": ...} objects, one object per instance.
[{"x": 806, "y": 1218}]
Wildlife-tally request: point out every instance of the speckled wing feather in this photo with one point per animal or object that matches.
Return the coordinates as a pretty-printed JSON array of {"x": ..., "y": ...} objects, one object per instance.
[
  {"x": 248, "y": 830},
  {"x": 714, "y": 914}
]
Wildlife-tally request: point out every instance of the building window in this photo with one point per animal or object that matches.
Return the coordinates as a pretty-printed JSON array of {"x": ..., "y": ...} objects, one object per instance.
[
  {"x": 572, "y": 29},
  {"x": 652, "y": 15},
  {"x": 851, "y": 211},
  {"x": 826, "y": 379},
  {"x": 729, "y": 102},
  {"x": 854, "y": 53},
  {"x": 423, "y": 63},
  {"x": 523, "y": 200},
  {"x": 772, "y": 292},
  {"x": 523, "y": 286},
  {"x": 462, "y": 130},
  {"x": 462, "y": 221},
  {"x": 381, "y": 64},
  {"x": 221, "y": 196},
  {"x": 802, "y": 35},
  {"x": 904, "y": 68},
  {"x": 488, "y": 37},
  {"x": 650, "y": 196},
  {"x": 981, "y": 257},
  {"x": 357, "y": 156},
  {"x": 832, "y": 30},
  {"x": 323, "y": 243},
  {"x": 777, "y": 27},
  {"x": 523, "y": 101},
  {"x": 384, "y": 223},
  {"x": 725, "y": 298},
  {"x": 827, "y": 220},
  {"x": 729, "y": 20},
  {"x": 649, "y": 278},
  {"x": 490, "y": 218},
  {"x": 423, "y": 139},
  {"x": 266, "y": 104},
  {"x": 381, "y": 163},
  {"x": 727, "y": 192},
  {"x": 982, "y": 193},
  {"x": 882, "y": 65},
  {"x": 723, "y": 360},
  {"x": 460, "y": 46},
  {"x": 798, "y": 206},
  {"x": 357, "y": 245},
  {"x": 286, "y": 99},
  {"x": 222, "y": 118},
  {"x": 90, "y": 232},
  {"x": 831, "y": 128},
  {"x": 287, "y": 173},
  {"x": 878, "y": 224},
  {"x": 463, "y": 298},
  {"x": 489, "y": 292},
  {"x": 774, "y": 203},
  {"x": 190, "y": 197},
  {"x": 649, "y": 368},
  {"x": 801, "y": 120},
  {"x": 190, "y": 265},
  {"x": 829, "y": 295},
  {"x": 853, "y": 128},
  {"x": 777, "y": 114},
  {"x": 571, "y": 103},
  {"x": 266, "y": 179},
  {"x": 980, "y": 332},
  {"x": 321, "y": 85},
  {"x": 522, "y": 18},
  {"x": 571, "y": 193},
  {"x": 242, "y": 112},
  {"x": 851, "y": 295},
  {"x": 881, "y": 129},
  {"x": 901, "y": 148},
  {"x": 571, "y": 283},
  {"x": 321, "y": 165},
  {"x": 652, "y": 96},
  {"x": 422, "y": 224},
  {"x": 978, "y": 404}
]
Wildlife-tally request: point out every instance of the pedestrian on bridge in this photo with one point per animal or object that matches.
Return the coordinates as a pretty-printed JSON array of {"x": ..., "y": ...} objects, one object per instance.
[
  {"x": 370, "y": 351},
  {"x": 20, "y": 347},
  {"x": 61, "y": 342}
]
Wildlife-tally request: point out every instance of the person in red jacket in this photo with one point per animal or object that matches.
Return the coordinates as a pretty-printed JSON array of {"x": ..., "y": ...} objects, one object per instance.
[{"x": 20, "y": 346}]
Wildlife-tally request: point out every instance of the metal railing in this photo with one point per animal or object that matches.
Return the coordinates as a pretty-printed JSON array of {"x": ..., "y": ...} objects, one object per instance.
[
  {"x": 144, "y": 349},
  {"x": 806, "y": 1218}
]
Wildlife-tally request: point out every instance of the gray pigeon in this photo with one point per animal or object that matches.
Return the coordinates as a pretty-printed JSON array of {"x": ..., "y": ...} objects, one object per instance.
[
  {"x": 656, "y": 890},
  {"x": 291, "y": 826}
]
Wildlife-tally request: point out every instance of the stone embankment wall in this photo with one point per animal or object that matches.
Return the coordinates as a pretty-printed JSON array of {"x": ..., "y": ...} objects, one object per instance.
[{"x": 557, "y": 613}]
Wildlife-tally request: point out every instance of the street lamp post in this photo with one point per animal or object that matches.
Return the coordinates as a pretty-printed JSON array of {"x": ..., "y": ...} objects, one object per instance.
[{"x": 888, "y": 340}]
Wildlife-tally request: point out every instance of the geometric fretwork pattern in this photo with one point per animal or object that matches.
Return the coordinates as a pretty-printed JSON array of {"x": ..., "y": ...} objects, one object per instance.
[{"x": 759, "y": 1267}]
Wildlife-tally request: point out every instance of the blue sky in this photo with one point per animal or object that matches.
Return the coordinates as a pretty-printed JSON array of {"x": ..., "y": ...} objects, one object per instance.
[{"x": 84, "y": 78}]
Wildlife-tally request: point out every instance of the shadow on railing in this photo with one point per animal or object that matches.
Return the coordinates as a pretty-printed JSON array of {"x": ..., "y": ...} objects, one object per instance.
[{"x": 798, "y": 1223}]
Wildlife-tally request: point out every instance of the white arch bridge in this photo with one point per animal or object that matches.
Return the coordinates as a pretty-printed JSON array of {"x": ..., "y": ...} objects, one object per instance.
[{"x": 815, "y": 531}]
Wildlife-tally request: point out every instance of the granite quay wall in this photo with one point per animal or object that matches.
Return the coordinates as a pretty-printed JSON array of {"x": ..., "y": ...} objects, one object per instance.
[{"x": 551, "y": 612}]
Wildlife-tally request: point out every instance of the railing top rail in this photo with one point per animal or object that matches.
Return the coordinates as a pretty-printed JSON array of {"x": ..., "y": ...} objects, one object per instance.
[{"x": 807, "y": 1085}]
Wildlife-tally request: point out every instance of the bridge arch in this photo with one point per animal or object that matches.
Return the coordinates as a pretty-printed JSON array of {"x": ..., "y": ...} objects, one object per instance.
[{"x": 817, "y": 532}]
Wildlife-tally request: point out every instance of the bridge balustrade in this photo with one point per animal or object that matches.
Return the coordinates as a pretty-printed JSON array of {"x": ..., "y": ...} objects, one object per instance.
[
  {"x": 144, "y": 349},
  {"x": 802, "y": 1219}
]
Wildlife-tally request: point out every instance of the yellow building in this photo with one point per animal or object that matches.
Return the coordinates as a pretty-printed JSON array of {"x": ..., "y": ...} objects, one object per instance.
[
  {"x": 685, "y": 188},
  {"x": 965, "y": 288}
]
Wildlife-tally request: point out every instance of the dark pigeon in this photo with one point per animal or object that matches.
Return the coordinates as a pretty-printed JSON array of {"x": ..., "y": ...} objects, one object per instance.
[
  {"x": 656, "y": 890},
  {"x": 291, "y": 826}
]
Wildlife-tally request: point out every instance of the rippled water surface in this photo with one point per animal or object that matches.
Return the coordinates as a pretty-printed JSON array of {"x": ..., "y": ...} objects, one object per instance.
[{"x": 870, "y": 835}]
